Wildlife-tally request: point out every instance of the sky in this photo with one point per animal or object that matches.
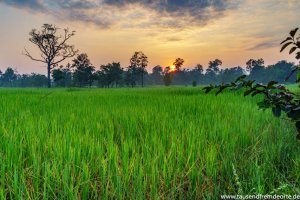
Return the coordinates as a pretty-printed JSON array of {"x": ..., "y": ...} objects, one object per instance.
[{"x": 112, "y": 30}]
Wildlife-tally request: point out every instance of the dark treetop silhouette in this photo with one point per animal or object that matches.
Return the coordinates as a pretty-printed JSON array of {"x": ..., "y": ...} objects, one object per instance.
[
  {"x": 53, "y": 46},
  {"x": 83, "y": 70},
  {"x": 138, "y": 64},
  {"x": 113, "y": 75}
]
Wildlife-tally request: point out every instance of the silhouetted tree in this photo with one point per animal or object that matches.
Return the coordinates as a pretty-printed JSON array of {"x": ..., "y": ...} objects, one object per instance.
[
  {"x": 53, "y": 46},
  {"x": 83, "y": 70},
  {"x": 62, "y": 76},
  {"x": 250, "y": 64},
  {"x": 143, "y": 65},
  {"x": 214, "y": 66},
  {"x": 1, "y": 73},
  {"x": 110, "y": 74},
  {"x": 256, "y": 69},
  {"x": 32, "y": 80},
  {"x": 157, "y": 70},
  {"x": 178, "y": 75},
  {"x": 58, "y": 76},
  {"x": 213, "y": 70},
  {"x": 178, "y": 63},
  {"x": 167, "y": 76},
  {"x": 196, "y": 74},
  {"x": 230, "y": 74},
  {"x": 199, "y": 68},
  {"x": 131, "y": 76},
  {"x": 138, "y": 64},
  {"x": 279, "y": 71},
  {"x": 8, "y": 77},
  {"x": 155, "y": 78}
]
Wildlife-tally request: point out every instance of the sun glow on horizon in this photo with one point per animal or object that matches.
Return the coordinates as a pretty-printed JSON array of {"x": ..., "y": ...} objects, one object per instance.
[{"x": 172, "y": 68}]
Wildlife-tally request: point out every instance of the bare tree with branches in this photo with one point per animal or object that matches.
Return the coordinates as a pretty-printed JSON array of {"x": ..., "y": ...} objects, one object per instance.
[{"x": 53, "y": 46}]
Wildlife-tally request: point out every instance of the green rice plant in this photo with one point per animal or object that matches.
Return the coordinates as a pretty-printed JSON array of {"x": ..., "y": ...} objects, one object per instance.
[{"x": 151, "y": 143}]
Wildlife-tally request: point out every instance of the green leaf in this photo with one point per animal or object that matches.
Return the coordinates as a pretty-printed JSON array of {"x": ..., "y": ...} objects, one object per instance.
[
  {"x": 298, "y": 125},
  {"x": 287, "y": 108},
  {"x": 258, "y": 85},
  {"x": 207, "y": 89},
  {"x": 294, "y": 114},
  {"x": 246, "y": 93},
  {"x": 222, "y": 87},
  {"x": 249, "y": 83},
  {"x": 293, "y": 32},
  {"x": 262, "y": 105},
  {"x": 287, "y": 39},
  {"x": 290, "y": 74},
  {"x": 239, "y": 86},
  {"x": 298, "y": 56},
  {"x": 284, "y": 46},
  {"x": 271, "y": 83},
  {"x": 292, "y": 50},
  {"x": 276, "y": 111},
  {"x": 256, "y": 93},
  {"x": 298, "y": 77},
  {"x": 219, "y": 91}
]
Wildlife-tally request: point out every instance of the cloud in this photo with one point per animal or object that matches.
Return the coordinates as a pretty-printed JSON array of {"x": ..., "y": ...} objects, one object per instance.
[
  {"x": 132, "y": 13},
  {"x": 264, "y": 45},
  {"x": 29, "y": 4},
  {"x": 173, "y": 39}
]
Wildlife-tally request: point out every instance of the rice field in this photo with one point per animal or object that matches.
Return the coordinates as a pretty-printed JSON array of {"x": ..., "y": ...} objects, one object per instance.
[{"x": 152, "y": 143}]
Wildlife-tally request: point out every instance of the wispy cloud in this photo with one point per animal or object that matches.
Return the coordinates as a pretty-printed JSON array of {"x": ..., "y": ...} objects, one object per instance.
[{"x": 264, "y": 45}]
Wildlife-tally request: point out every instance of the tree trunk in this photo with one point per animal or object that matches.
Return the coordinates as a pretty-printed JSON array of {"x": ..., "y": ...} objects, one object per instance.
[
  {"x": 143, "y": 80},
  {"x": 49, "y": 73}
]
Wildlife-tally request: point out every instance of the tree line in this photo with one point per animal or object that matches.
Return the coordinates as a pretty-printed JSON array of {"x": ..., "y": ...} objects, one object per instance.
[
  {"x": 54, "y": 49},
  {"x": 82, "y": 73}
]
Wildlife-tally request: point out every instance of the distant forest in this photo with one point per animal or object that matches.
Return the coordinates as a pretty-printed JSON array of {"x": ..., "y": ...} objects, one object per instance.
[{"x": 81, "y": 73}]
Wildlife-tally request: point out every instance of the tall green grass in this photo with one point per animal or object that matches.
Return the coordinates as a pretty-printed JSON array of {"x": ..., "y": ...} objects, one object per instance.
[{"x": 159, "y": 143}]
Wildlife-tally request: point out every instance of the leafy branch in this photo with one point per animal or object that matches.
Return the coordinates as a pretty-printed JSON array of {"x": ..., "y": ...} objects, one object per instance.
[
  {"x": 276, "y": 96},
  {"x": 294, "y": 41}
]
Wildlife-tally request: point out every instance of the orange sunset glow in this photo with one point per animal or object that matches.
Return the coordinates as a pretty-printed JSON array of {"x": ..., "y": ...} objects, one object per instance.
[{"x": 233, "y": 31}]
